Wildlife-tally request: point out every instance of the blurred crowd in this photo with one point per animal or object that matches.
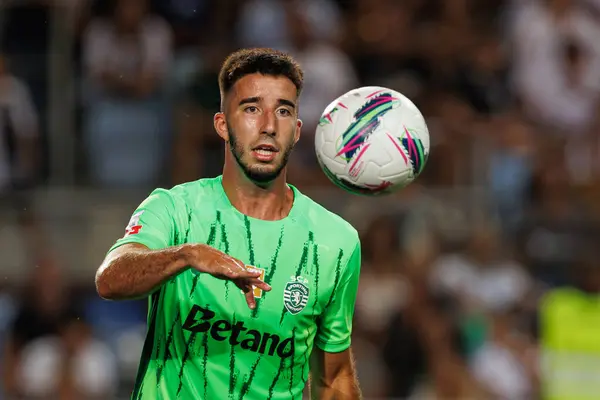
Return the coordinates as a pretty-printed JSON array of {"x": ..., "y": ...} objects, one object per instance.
[{"x": 480, "y": 281}]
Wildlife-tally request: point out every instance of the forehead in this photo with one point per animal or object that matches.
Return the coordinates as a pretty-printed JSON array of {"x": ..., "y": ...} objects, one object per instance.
[{"x": 264, "y": 86}]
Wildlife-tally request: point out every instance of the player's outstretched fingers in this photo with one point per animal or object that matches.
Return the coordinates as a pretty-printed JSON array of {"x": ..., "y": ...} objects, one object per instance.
[
  {"x": 260, "y": 284},
  {"x": 250, "y": 299},
  {"x": 247, "y": 290},
  {"x": 247, "y": 274},
  {"x": 234, "y": 269},
  {"x": 240, "y": 271}
]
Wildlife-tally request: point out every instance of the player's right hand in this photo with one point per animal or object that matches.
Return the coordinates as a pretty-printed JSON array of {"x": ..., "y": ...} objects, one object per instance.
[{"x": 207, "y": 259}]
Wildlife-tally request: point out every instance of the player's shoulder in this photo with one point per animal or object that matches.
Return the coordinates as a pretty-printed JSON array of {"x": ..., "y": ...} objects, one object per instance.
[
  {"x": 201, "y": 189},
  {"x": 186, "y": 195},
  {"x": 327, "y": 223}
]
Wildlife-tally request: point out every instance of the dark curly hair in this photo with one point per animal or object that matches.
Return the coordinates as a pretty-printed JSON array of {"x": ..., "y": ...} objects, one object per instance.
[{"x": 264, "y": 61}]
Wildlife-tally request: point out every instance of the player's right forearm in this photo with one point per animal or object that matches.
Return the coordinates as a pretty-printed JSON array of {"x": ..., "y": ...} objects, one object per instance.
[{"x": 134, "y": 271}]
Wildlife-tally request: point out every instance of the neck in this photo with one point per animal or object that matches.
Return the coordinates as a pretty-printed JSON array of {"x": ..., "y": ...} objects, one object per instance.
[{"x": 272, "y": 201}]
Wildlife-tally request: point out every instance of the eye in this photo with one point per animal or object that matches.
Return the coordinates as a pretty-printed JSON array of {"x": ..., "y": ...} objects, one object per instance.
[
  {"x": 251, "y": 109},
  {"x": 284, "y": 112}
]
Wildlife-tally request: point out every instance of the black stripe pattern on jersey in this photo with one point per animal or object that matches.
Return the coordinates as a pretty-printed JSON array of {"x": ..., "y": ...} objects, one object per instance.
[
  {"x": 204, "y": 363},
  {"x": 249, "y": 237},
  {"x": 338, "y": 271},
  {"x": 186, "y": 356},
  {"x": 232, "y": 374},
  {"x": 292, "y": 359},
  {"x": 248, "y": 381},
  {"x": 315, "y": 270},
  {"x": 276, "y": 378},
  {"x": 212, "y": 234},
  {"x": 269, "y": 275},
  {"x": 167, "y": 353},
  {"x": 225, "y": 247},
  {"x": 149, "y": 345},
  {"x": 190, "y": 344}
]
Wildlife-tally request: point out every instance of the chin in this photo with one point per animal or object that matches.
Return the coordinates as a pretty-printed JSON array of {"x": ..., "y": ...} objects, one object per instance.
[{"x": 260, "y": 174}]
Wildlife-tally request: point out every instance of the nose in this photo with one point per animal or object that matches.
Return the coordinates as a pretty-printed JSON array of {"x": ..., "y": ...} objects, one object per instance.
[{"x": 269, "y": 124}]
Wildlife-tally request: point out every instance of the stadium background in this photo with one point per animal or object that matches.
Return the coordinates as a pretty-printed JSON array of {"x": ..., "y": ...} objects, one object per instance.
[{"x": 457, "y": 267}]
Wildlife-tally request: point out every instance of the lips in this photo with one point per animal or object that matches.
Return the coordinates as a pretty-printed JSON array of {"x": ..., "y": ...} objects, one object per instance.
[
  {"x": 266, "y": 148},
  {"x": 265, "y": 152}
]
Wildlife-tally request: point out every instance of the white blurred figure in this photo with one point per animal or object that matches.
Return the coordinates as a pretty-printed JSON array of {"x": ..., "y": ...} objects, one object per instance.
[
  {"x": 488, "y": 286},
  {"x": 19, "y": 119},
  {"x": 328, "y": 71},
  {"x": 482, "y": 278},
  {"x": 504, "y": 364},
  {"x": 73, "y": 365},
  {"x": 540, "y": 31},
  {"x": 127, "y": 60}
]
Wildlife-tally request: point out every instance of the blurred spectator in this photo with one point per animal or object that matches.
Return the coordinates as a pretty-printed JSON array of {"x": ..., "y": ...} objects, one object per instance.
[
  {"x": 263, "y": 23},
  {"x": 71, "y": 365},
  {"x": 382, "y": 292},
  {"x": 556, "y": 62},
  {"x": 198, "y": 150},
  {"x": 551, "y": 236},
  {"x": 481, "y": 279},
  {"x": 189, "y": 18},
  {"x": 328, "y": 73},
  {"x": 25, "y": 40},
  {"x": 511, "y": 170},
  {"x": 196, "y": 24},
  {"x": 506, "y": 363},
  {"x": 483, "y": 77},
  {"x": 19, "y": 132},
  {"x": 44, "y": 305},
  {"x": 453, "y": 123},
  {"x": 424, "y": 334},
  {"x": 405, "y": 358},
  {"x": 484, "y": 276},
  {"x": 20, "y": 157},
  {"x": 383, "y": 289},
  {"x": 379, "y": 37},
  {"x": 127, "y": 128}
]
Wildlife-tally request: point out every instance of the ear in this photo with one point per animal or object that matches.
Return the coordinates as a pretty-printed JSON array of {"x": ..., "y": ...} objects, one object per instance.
[
  {"x": 220, "y": 124},
  {"x": 298, "y": 130}
]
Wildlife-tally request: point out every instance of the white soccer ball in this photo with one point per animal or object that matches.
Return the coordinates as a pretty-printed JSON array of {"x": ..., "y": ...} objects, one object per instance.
[{"x": 372, "y": 140}]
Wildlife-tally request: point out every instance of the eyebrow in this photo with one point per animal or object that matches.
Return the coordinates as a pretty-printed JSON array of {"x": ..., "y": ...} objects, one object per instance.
[
  {"x": 249, "y": 100},
  {"x": 285, "y": 102}
]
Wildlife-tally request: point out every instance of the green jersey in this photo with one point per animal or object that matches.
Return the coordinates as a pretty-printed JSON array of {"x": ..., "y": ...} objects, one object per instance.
[{"x": 203, "y": 340}]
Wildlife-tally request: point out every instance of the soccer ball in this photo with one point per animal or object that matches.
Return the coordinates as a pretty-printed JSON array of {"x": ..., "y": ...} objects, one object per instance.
[{"x": 372, "y": 140}]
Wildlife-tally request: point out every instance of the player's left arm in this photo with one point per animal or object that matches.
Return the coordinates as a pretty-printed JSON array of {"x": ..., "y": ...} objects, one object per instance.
[
  {"x": 333, "y": 376},
  {"x": 332, "y": 369}
]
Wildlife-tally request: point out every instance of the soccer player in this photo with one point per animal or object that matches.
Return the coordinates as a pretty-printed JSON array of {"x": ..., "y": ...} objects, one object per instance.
[{"x": 251, "y": 284}]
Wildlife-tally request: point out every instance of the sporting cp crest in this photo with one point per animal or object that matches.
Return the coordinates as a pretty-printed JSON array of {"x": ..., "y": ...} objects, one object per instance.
[{"x": 295, "y": 294}]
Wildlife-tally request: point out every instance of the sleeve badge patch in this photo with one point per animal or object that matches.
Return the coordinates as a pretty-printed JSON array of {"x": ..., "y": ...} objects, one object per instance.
[{"x": 134, "y": 226}]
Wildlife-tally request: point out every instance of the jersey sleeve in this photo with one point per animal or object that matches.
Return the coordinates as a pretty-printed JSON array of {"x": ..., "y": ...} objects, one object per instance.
[
  {"x": 335, "y": 326},
  {"x": 152, "y": 223}
]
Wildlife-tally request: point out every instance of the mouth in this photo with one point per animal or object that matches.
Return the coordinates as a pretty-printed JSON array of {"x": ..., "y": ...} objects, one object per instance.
[
  {"x": 265, "y": 152},
  {"x": 265, "y": 149}
]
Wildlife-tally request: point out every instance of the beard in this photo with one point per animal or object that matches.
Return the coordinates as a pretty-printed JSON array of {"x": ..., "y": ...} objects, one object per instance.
[{"x": 259, "y": 173}]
